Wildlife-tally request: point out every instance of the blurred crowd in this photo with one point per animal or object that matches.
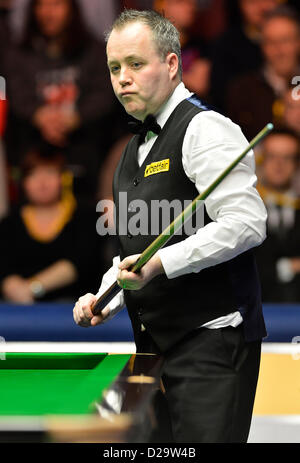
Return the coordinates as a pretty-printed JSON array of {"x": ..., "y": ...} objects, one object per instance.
[{"x": 62, "y": 131}]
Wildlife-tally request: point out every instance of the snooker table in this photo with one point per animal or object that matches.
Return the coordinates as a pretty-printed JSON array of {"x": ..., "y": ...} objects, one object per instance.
[{"x": 77, "y": 397}]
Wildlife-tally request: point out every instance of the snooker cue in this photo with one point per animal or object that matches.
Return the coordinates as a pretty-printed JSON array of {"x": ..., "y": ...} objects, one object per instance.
[{"x": 171, "y": 229}]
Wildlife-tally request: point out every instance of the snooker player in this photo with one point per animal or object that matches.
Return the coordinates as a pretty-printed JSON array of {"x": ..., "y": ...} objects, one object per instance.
[{"x": 197, "y": 300}]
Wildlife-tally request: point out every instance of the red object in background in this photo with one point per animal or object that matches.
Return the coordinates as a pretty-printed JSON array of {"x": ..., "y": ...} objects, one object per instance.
[{"x": 3, "y": 116}]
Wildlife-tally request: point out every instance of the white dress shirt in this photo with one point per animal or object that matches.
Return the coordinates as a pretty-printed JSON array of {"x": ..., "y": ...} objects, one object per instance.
[{"x": 210, "y": 144}]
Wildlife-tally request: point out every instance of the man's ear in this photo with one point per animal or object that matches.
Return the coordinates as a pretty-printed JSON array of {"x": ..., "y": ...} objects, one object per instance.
[{"x": 173, "y": 65}]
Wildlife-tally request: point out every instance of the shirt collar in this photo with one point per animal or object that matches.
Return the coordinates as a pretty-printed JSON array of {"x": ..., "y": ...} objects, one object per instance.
[{"x": 179, "y": 94}]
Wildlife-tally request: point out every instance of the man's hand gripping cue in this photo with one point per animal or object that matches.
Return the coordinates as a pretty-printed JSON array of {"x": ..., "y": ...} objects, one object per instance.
[
  {"x": 135, "y": 281},
  {"x": 83, "y": 314}
]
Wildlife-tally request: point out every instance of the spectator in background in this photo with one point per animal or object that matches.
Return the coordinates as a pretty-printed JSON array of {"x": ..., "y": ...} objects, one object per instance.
[
  {"x": 49, "y": 246},
  {"x": 278, "y": 258},
  {"x": 99, "y": 15},
  {"x": 238, "y": 51},
  {"x": 58, "y": 88},
  {"x": 252, "y": 100},
  {"x": 195, "y": 57}
]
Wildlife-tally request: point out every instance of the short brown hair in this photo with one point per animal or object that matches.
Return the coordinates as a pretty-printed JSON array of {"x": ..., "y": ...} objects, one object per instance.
[{"x": 41, "y": 156}]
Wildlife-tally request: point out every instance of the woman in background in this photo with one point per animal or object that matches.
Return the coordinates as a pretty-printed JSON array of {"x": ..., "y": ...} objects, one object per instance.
[{"x": 49, "y": 246}]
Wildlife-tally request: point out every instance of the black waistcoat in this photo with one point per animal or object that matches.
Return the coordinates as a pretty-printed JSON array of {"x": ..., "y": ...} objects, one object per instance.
[{"x": 171, "y": 308}]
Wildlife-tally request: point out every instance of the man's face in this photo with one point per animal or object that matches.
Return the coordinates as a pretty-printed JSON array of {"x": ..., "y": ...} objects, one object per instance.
[
  {"x": 280, "y": 160},
  {"x": 53, "y": 16},
  {"x": 281, "y": 45},
  {"x": 43, "y": 185},
  {"x": 141, "y": 80}
]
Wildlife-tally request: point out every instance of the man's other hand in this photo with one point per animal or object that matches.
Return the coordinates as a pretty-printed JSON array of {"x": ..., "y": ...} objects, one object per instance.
[{"x": 134, "y": 281}]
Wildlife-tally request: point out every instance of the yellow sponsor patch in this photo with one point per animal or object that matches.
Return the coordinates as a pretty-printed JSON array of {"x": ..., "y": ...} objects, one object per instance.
[{"x": 157, "y": 167}]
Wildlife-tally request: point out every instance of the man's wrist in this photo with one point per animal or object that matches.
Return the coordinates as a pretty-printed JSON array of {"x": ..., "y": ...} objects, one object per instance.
[{"x": 159, "y": 266}]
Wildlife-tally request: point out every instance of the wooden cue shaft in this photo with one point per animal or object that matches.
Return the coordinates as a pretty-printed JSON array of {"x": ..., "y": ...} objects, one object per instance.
[{"x": 169, "y": 231}]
